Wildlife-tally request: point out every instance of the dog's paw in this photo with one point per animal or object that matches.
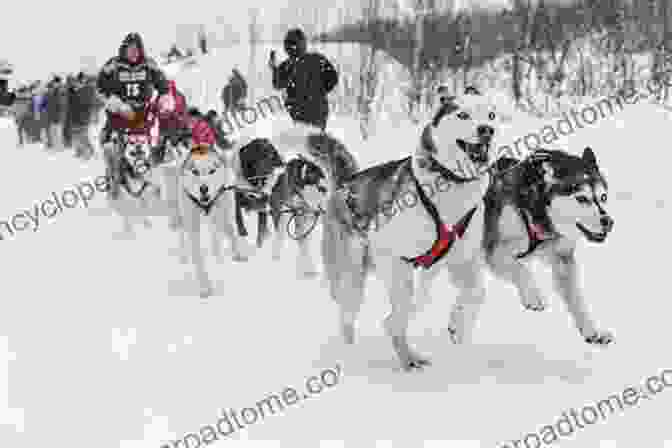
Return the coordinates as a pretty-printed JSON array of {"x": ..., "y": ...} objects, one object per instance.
[
  {"x": 599, "y": 338},
  {"x": 308, "y": 274},
  {"x": 455, "y": 336},
  {"x": 534, "y": 301},
  {"x": 240, "y": 258},
  {"x": 205, "y": 292},
  {"x": 415, "y": 362},
  {"x": 147, "y": 223}
]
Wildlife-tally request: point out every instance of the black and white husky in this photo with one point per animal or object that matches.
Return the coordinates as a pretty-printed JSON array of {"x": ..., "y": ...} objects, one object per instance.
[
  {"x": 292, "y": 189},
  {"x": 207, "y": 182},
  {"x": 541, "y": 208},
  {"x": 423, "y": 211},
  {"x": 296, "y": 202},
  {"x": 140, "y": 182}
]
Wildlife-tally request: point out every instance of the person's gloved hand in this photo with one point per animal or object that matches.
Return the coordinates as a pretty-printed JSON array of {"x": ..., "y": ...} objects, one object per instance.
[{"x": 115, "y": 105}]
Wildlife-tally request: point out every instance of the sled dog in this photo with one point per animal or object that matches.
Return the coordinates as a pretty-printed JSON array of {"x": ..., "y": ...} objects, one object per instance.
[
  {"x": 296, "y": 203},
  {"x": 541, "y": 208},
  {"x": 419, "y": 212},
  {"x": 140, "y": 185},
  {"x": 206, "y": 184}
]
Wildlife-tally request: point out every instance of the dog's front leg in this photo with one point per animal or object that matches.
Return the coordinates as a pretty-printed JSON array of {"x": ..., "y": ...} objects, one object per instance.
[
  {"x": 305, "y": 263},
  {"x": 470, "y": 279},
  {"x": 170, "y": 190},
  {"x": 280, "y": 222},
  {"x": 566, "y": 280},
  {"x": 224, "y": 220},
  {"x": 204, "y": 284},
  {"x": 191, "y": 236},
  {"x": 423, "y": 280},
  {"x": 507, "y": 267},
  {"x": 398, "y": 277}
]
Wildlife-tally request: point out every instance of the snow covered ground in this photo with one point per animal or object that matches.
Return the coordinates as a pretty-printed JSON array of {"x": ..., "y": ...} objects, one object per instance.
[{"x": 104, "y": 343}]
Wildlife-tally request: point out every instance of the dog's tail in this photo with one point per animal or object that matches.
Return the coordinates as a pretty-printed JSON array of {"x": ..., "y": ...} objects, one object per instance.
[
  {"x": 332, "y": 154},
  {"x": 346, "y": 257}
]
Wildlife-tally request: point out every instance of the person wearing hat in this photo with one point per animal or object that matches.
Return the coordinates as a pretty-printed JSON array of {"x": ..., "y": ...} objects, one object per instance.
[
  {"x": 306, "y": 78},
  {"x": 127, "y": 83}
]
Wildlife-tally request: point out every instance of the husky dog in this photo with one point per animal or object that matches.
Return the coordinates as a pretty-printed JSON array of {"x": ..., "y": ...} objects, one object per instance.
[
  {"x": 258, "y": 165},
  {"x": 296, "y": 202},
  {"x": 207, "y": 182},
  {"x": 139, "y": 184},
  {"x": 440, "y": 223},
  {"x": 290, "y": 191},
  {"x": 541, "y": 207},
  {"x": 321, "y": 148}
]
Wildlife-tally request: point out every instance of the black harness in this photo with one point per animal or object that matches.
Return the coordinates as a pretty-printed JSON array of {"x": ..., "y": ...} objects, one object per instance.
[
  {"x": 206, "y": 208},
  {"x": 445, "y": 235}
]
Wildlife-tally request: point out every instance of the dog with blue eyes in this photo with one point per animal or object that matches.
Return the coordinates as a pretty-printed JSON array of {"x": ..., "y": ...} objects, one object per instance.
[
  {"x": 206, "y": 189},
  {"x": 409, "y": 219},
  {"x": 542, "y": 207}
]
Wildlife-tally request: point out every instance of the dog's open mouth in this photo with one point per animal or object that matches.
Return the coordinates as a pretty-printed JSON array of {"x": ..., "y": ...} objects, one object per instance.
[
  {"x": 592, "y": 236},
  {"x": 477, "y": 152}
]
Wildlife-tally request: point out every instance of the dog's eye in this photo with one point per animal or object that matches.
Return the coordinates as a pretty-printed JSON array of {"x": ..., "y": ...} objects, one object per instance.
[
  {"x": 603, "y": 198},
  {"x": 582, "y": 200},
  {"x": 463, "y": 116},
  {"x": 491, "y": 115},
  {"x": 195, "y": 172},
  {"x": 212, "y": 171}
]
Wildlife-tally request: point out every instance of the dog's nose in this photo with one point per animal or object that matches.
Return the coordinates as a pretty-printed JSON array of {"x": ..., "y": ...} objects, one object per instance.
[
  {"x": 204, "y": 190},
  {"x": 607, "y": 221},
  {"x": 485, "y": 131}
]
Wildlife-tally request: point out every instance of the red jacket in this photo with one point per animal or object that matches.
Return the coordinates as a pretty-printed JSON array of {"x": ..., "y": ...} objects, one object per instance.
[
  {"x": 202, "y": 133},
  {"x": 176, "y": 119}
]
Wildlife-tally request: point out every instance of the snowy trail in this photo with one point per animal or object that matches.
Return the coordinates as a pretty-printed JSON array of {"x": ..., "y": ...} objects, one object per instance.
[{"x": 104, "y": 343}]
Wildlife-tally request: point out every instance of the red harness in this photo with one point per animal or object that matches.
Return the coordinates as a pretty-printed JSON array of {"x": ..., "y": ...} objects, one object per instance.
[{"x": 447, "y": 236}]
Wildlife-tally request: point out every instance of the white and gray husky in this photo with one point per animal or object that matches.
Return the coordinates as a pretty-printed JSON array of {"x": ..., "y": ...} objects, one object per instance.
[
  {"x": 206, "y": 183},
  {"x": 422, "y": 211}
]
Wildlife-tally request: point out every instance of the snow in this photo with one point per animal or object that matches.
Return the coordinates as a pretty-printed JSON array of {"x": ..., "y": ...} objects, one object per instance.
[{"x": 105, "y": 343}]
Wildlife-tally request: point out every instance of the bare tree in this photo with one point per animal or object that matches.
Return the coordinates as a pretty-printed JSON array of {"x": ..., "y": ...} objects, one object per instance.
[{"x": 368, "y": 68}]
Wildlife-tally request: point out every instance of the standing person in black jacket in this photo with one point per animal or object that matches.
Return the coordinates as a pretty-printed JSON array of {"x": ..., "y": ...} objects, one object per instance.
[
  {"x": 56, "y": 111},
  {"x": 307, "y": 78},
  {"x": 82, "y": 106}
]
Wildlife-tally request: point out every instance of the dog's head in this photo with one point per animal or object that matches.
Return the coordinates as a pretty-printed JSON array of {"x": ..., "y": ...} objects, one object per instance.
[
  {"x": 204, "y": 173},
  {"x": 138, "y": 153},
  {"x": 578, "y": 193},
  {"x": 308, "y": 179},
  {"x": 462, "y": 132}
]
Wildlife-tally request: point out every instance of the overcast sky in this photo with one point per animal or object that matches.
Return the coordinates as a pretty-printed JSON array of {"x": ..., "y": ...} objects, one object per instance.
[{"x": 43, "y": 37}]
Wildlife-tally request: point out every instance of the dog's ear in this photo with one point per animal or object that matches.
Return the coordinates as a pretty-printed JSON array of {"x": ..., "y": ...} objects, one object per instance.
[
  {"x": 471, "y": 90},
  {"x": 448, "y": 106},
  {"x": 589, "y": 158}
]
